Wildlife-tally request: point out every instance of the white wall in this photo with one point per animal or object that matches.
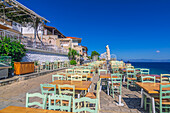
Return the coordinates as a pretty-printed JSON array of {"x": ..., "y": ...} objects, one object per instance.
[
  {"x": 43, "y": 57},
  {"x": 30, "y": 30}
]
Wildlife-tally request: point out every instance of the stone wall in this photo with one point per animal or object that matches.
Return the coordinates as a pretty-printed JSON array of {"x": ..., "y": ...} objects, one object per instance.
[{"x": 43, "y": 56}]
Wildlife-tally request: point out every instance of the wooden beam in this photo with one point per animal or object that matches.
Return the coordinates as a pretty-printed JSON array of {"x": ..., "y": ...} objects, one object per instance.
[{"x": 7, "y": 7}]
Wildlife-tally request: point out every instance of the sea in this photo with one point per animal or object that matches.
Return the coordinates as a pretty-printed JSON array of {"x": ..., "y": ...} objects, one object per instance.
[{"x": 155, "y": 67}]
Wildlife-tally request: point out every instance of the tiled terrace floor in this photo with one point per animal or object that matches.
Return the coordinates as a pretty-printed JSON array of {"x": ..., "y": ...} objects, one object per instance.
[
  {"x": 14, "y": 94},
  {"x": 130, "y": 99}
]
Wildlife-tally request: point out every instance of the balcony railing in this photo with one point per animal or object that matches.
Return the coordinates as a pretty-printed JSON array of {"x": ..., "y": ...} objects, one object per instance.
[{"x": 31, "y": 43}]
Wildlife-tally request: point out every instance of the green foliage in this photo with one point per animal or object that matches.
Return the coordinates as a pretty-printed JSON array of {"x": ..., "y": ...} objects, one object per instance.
[
  {"x": 89, "y": 57},
  {"x": 73, "y": 62},
  {"x": 36, "y": 63},
  {"x": 72, "y": 53},
  {"x": 13, "y": 49},
  {"x": 94, "y": 53}
]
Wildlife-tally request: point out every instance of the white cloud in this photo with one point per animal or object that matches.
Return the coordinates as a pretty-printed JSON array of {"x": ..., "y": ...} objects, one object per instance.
[{"x": 158, "y": 51}]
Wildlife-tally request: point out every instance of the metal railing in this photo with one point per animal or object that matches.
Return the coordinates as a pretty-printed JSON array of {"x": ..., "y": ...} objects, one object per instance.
[{"x": 31, "y": 43}]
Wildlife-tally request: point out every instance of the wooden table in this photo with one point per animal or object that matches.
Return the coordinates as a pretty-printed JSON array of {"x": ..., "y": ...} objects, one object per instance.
[
  {"x": 90, "y": 76},
  {"x": 16, "y": 109},
  {"x": 79, "y": 85},
  {"x": 156, "y": 76},
  {"x": 106, "y": 76},
  {"x": 149, "y": 89}
]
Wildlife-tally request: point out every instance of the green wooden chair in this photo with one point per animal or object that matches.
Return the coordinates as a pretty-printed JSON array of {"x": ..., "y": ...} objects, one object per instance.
[
  {"x": 163, "y": 100},
  {"x": 165, "y": 78},
  {"x": 56, "y": 102},
  {"x": 40, "y": 104},
  {"x": 85, "y": 102},
  {"x": 131, "y": 77},
  {"x": 115, "y": 70},
  {"x": 144, "y": 71},
  {"x": 76, "y": 77},
  {"x": 86, "y": 71},
  {"x": 67, "y": 90},
  {"x": 47, "y": 65},
  {"x": 57, "y": 77},
  {"x": 138, "y": 70},
  {"x": 147, "y": 79},
  {"x": 84, "y": 76},
  {"x": 78, "y": 71},
  {"x": 55, "y": 65},
  {"x": 116, "y": 84},
  {"x": 48, "y": 89},
  {"x": 97, "y": 95},
  {"x": 70, "y": 71},
  {"x": 101, "y": 72}
]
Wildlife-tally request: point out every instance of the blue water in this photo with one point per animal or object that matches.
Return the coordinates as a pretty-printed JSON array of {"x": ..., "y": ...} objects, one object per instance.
[{"x": 155, "y": 67}]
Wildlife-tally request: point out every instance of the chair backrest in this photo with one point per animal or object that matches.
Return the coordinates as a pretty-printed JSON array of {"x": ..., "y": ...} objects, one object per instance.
[
  {"x": 116, "y": 78},
  {"x": 40, "y": 104},
  {"x": 48, "y": 89},
  {"x": 138, "y": 70},
  {"x": 86, "y": 71},
  {"x": 144, "y": 71},
  {"x": 148, "y": 79},
  {"x": 57, "y": 77},
  {"x": 69, "y": 70},
  {"x": 102, "y": 71},
  {"x": 84, "y": 76},
  {"x": 85, "y": 107},
  {"x": 164, "y": 94},
  {"x": 76, "y": 77},
  {"x": 165, "y": 78},
  {"x": 131, "y": 73},
  {"x": 78, "y": 71},
  {"x": 55, "y": 102},
  {"x": 115, "y": 70},
  {"x": 67, "y": 90}
]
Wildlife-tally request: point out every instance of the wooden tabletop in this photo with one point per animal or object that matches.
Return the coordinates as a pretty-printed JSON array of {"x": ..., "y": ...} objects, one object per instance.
[
  {"x": 16, "y": 109},
  {"x": 151, "y": 88},
  {"x": 157, "y": 76},
  {"x": 79, "y": 85},
  {"x": 88, "y": 75},
  {"x": 69, "y": 74},
  {"x": 107, "y": 76}
]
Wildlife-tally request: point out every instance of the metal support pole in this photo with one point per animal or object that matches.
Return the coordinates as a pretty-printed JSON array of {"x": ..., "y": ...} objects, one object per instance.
[{"x": 120, "y": 104}]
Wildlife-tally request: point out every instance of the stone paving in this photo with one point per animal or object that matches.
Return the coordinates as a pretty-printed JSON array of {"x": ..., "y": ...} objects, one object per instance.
[
  {"x": 130, "y": 99},
  {"x": 14, "y": 94}
]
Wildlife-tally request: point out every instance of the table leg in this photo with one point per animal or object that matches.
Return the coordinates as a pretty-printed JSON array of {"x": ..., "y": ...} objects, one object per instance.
[
  {"x": 142, "y": 96},
  {"x": 153, "y": 105},
  {"x": 124, "y": 78},
  {"x": 108, "y": 86},
  {"x": 100, "y": 85}
]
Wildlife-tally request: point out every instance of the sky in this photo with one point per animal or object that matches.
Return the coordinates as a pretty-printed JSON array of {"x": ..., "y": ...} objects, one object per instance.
[{"x": 133, "y": 29}]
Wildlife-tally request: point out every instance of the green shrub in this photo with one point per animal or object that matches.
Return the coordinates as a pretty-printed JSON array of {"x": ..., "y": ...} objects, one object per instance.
[
  {"x": 13, "y": 49},
  {"x": 73, "y": 62}
]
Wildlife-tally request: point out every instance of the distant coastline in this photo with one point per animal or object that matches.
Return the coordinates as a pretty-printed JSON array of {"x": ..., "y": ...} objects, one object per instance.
[{"x": 147, "y": 60}]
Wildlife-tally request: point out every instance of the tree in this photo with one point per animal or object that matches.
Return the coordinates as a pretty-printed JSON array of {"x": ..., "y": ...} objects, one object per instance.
[
  {"x": 72, "y": 53},
  {"x": 12, "y": 48},
  {"x": 94, "y": 53}
]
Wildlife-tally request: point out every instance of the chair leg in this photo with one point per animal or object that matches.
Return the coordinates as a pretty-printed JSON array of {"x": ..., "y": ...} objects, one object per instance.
[
  {"x": 127, "y": 84},
  {"x": 120, "y": 90},
  {"x": 145, "y": 100},
  {"x": 113, "y": 92}
]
